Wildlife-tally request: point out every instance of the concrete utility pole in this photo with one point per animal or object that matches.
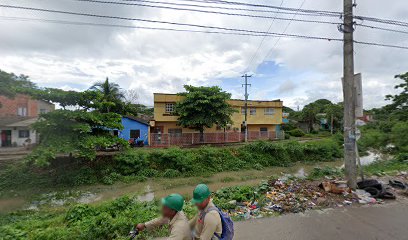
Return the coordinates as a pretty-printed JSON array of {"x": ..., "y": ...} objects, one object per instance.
[
  {"x": 246, "y": 76},
  {"x": 349, "y": 94}
]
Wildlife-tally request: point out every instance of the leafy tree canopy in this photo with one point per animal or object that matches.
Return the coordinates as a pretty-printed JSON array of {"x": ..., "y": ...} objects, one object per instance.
[
  {"x": 203, "y": 107},
  {"x": 11, "y": 84},
  {"x": 79, "y": 133},
  {"x": 399, "y": 105}
]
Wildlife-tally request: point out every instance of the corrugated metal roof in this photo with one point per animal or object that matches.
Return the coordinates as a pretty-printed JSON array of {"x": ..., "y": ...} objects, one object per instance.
[
  {"x": 17, "y": 121},
  {"x": 137, "y": 119}
]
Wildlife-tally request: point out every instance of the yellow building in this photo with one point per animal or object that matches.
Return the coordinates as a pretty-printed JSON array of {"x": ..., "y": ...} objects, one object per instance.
[{"x": 263, "y": 116}]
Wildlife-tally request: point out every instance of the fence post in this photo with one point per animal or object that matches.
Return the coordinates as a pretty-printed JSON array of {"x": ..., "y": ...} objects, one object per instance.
[
  {"x": 192, "y": 138},
  {"x": 168, "y": 140}
]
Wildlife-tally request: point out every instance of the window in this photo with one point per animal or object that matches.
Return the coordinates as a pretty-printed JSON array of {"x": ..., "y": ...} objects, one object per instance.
[
  {"x": 252, "y": 111},
  {"x": 23, "y": 133},
  {"x": 269, "y": 111},
  {"x": 243, "y": 111},
  {"x": 22, "y": 111},
  {"x": 135, "y": 133},
  {"x": 169, "y": 107},
  {"x": 263, "y": 129},
  {"x": 175, "y": 131},
  {"x": 42, "y": 111}
]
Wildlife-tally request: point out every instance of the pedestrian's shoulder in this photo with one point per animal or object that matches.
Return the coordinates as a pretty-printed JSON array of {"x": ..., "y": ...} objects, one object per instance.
[{"x": 212, "y": 215}]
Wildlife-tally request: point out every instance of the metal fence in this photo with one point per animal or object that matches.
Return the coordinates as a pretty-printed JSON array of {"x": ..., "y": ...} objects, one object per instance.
[{"x": 187, "y": 139}]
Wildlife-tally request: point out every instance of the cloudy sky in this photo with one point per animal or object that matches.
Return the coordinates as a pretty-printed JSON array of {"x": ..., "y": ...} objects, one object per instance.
[{"x": 297, "y": 71}]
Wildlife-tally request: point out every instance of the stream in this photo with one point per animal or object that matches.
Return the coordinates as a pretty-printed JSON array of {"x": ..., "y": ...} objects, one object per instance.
[{"x": 157, "y": 188}]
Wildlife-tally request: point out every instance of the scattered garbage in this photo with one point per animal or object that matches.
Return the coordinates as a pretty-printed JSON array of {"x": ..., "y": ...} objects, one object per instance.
[
  {"x": 398, "y": 184},
  {"x": 337, "y": 187},
  {"x": 376, "y": 189},
  {"x": 288, "y": 195},
  {"x": 364, "y": 197}
]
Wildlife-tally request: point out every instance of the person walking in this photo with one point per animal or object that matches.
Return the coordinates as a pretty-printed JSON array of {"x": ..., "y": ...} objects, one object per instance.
[{"x": 173, "y": 216}]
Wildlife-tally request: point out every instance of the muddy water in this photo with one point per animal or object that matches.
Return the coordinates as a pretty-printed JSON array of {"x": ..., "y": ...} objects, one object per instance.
[
  {"x": 161, "y": 187},
  {"x": 157, "y": 188}
]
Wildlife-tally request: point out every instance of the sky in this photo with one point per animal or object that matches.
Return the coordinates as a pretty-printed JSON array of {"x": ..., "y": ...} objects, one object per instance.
[{"x": 297, "y": 71}]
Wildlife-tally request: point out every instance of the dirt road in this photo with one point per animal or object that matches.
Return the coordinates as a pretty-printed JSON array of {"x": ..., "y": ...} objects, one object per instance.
[{"x": 378, "y": 222}]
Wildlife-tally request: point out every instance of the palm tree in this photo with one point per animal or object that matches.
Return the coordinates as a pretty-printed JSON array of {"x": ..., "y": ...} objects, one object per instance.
[{"x": 111, "y": 92}]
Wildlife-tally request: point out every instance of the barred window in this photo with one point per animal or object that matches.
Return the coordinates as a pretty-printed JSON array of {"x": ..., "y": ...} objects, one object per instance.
[
  {"x": 23, "y": 133},
  {"x": 252, "y": 111},
  {"x": 169, "y": 107}
]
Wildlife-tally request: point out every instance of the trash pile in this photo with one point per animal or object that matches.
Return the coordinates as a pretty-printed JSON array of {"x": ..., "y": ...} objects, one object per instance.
[{"x": 290, "y": 195}]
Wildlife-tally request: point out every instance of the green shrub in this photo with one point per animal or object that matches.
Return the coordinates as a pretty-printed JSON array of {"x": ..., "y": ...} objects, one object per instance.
[
  {"x": 296, "y": 132},
  {"x": 400, "y": 136},
  {"x": 318, "y": 173}
]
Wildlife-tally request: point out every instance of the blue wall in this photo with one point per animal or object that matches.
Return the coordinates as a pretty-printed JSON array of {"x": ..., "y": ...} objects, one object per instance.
[{"x": 130, "y": 124}]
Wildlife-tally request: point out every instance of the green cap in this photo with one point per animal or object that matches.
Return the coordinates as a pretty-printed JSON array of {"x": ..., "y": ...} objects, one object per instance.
[
  {"x": 174, "y": 201},
  {"x": 201, "y": 192}
]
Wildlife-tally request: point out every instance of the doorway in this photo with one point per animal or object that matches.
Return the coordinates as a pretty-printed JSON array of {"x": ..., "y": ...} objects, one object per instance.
[{"x": 6, "y": 138}]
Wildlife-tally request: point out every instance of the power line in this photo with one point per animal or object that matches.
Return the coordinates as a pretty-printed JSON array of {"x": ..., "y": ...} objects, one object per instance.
[
  {"x": 384, "y": 21},
  {"x": 261, "y": 43},
  {"x": 206, "y": 11},
  {"x": 381, "y": 28},
  {"x": 266, "y": 6},
  {"x": 231, "y": 8},
  {"x": 80, "y": 23},
  {"x": 331, "y": 13},
  {"x": 163, "y": 22},
  {"x": 284, "y": 31},
  {"x": 381, "y": 45},
  {"x": 232, "y": 31}
]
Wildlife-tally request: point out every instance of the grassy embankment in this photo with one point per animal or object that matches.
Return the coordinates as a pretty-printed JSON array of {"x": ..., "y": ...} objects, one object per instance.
[
  {"x": 142, "y": 164},
  {"x": 113, "y": 219}
]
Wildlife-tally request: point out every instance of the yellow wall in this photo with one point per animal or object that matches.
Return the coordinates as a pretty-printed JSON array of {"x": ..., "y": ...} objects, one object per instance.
[{"x": 254, "y": 121}]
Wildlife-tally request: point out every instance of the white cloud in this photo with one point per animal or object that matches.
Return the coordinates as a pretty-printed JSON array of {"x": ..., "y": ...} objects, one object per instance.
[{"x": 162, "y": 61}]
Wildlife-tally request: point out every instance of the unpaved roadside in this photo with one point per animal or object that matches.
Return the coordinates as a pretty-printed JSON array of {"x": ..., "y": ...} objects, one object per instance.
[{"x": 387, "y": 221}]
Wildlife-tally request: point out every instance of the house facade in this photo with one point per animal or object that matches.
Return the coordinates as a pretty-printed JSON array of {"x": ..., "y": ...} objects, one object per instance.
[
  {"x": 264, "y": 118},
  {"x": 134, "y": 128},
  {"x": 16, "y": 117},
  {"x": 23, "y": 106}
]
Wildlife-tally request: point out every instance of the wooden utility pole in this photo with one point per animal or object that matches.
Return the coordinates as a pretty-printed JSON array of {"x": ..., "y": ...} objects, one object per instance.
[
  {"x": 349, "y": 93},
  {"x": 246, "y": 76}
]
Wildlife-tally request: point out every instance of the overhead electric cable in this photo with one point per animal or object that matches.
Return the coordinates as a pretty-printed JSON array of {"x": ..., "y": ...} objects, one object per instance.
[
  {"x": 212, "y": 12},
  {"x": 261, "y": 43},
  {"x": 381, "y": 28},
  {"x": 231, "y": 30},
  {"x": 384, "y": 21},
  {"x": 158, "y": 21},
  {"x": 233, "y": 8},
  {"x": 266, "y": 6},
  {"x": 284, "y": 31}
]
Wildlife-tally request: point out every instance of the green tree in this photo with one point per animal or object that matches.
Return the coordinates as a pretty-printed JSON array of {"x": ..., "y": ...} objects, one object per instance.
[
  {"x": 309, "y": 112},
  {"x": 202, "y": 107},
  {"x": 11, "y": 84},
  {"x": 399, "y": 105},
  {"x": 112, "y": 95},
  {"x": 78, "y": 133},
  {"x": 334, "y": 112}
]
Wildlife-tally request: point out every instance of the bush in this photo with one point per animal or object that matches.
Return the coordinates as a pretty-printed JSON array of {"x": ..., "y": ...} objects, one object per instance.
[
  {"x": 140, "y": 164},
  {"x": 296, "y": 132},
  {"x": 400, "y": 136}
]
